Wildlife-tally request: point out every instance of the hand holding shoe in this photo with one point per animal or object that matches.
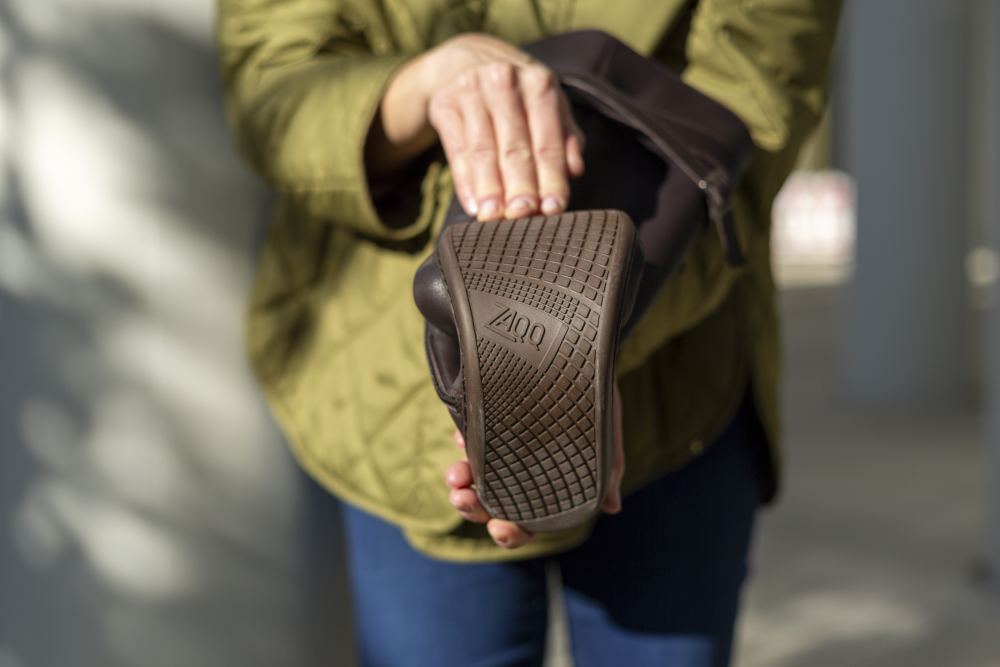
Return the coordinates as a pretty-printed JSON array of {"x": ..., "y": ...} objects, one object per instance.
[{"x": 508, "y": 534}]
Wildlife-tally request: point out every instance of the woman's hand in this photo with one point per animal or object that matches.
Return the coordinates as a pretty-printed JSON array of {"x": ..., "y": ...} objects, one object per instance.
[
  {"x": 508, "y": 534},
  {"x": 501, "y": 117}
]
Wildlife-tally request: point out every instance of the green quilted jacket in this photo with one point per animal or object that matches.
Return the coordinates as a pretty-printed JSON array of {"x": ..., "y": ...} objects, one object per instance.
[{"x": 333, "y": 335}]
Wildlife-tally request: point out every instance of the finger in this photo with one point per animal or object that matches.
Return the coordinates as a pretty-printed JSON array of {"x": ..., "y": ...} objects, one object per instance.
[
  {"x": 575, "y": 139},
  {"x": 459, "y": 440},
  {"x": 612, "y": 503},
  {"x": 462, "y": 179},
  {"x": 446, "y": 118},
  {"x": 540, "y": 92},
  {"x": 458, "y": 475},
  {"x": 574, "y": 155},
  {"x": 613, "y": 499},
  {"x": 508, "y": 534},
  {"x": 468, "y": 505},
  {"x": 481, "y": 149},
  {"x": 517, "y": 169}
]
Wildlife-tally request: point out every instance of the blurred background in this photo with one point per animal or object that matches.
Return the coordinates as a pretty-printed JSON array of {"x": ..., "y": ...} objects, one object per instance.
[{"x": 151, "y": 516}]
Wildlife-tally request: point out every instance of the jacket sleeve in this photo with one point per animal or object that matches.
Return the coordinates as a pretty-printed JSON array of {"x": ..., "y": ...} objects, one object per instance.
[
  {"x": 766, "y": 60},
  {"x": 303, "y": 80}
]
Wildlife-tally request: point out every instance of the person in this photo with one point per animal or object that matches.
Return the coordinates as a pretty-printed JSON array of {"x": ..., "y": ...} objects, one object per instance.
[{"x": 365, "y": 117}]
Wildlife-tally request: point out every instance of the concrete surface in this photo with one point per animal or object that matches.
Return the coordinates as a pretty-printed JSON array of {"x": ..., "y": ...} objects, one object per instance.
[
  {"x": 906, "y": 321},
  {"x": 875, "y": 554}
]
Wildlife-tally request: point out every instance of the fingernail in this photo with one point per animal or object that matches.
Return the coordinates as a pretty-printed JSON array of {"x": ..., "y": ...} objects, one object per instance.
[
  {"x": 552, "y": 205},
  {"x": 520, "y": 206},
  {"x": 489, "y": 209},
  {"x": 470, "y": 206},
  {"x": 616, "y": 503},
  {"x": 464, "y": 508},
  {"x": 503, "y": 541}
]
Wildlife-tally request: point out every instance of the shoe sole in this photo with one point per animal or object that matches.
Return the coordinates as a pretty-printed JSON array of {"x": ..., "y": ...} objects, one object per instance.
[{"x": 538, "y": 305}]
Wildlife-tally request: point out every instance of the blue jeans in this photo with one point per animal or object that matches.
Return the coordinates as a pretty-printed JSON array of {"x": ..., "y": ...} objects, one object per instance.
[{"x": 657, "y": 584}]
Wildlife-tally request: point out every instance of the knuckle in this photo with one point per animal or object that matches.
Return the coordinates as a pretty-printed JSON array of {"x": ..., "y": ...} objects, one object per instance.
[
  {"x": 538, "y": 78},
  {"x": 499, "y": 74},
  {"x": 517, "y": 153},
  {"x": 550, "y": 152},
  {"x": 483, "y": 154},
  {"x": 465, "y": 81}
]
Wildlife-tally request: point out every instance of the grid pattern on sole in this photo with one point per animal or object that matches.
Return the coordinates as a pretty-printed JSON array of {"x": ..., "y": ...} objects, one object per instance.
[
  {"x": 541, "y": 457},
  {"x": 541, "y": 453},
  {"x": 571, "y": 253}
]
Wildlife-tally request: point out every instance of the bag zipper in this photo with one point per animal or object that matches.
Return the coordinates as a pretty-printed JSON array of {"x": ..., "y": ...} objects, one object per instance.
[{"x": 715, "y": 184}]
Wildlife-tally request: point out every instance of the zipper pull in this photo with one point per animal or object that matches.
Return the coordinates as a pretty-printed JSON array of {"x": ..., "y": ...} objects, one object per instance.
[{"x": 715, "y": 188}]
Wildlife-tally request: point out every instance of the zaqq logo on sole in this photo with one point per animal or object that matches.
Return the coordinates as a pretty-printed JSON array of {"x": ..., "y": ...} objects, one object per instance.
[{"x": 517, "y": 327}]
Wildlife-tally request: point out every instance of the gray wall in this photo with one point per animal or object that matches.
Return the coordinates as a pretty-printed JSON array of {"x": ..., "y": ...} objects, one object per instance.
[
  {"x": 149, "y": 512},
  {"x": 908, "y": 333}
]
